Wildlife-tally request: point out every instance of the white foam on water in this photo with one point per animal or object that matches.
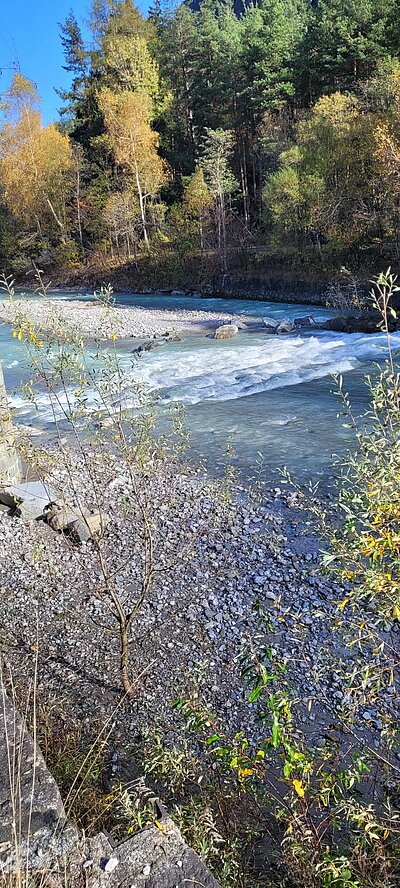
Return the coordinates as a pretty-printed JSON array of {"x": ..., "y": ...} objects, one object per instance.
[
  {"x": 200, "y": 370},
  {"x": 248, "y": 365}
]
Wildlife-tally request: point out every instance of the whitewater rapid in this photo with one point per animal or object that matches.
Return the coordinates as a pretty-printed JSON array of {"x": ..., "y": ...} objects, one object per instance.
[
  {"x": 199, "y": 369},
  {"x": 268, "y": 394},
  {"x": 249, "y": 364}
]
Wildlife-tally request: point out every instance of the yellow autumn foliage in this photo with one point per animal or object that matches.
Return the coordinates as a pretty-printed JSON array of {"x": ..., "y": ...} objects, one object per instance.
[
  {"x": 134, "y": 144},
  {"x": 35, "y": 161}
]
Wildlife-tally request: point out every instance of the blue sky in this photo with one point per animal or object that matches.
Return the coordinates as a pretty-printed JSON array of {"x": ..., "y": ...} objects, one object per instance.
[{"x": 29, "y": 35}]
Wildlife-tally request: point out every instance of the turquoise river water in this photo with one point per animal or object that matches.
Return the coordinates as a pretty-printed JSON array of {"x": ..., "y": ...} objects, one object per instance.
[{"x": 269, "y": 395}]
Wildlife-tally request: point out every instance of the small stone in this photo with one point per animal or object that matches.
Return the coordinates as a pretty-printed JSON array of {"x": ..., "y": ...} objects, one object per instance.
[
  {"x": 270, "y": 595},
  {"x": 146, "y": 869},
  {"x": 85, "y": 528},
  {"x": 59, "y": 516},
  {"x": 111, "y": 864}
]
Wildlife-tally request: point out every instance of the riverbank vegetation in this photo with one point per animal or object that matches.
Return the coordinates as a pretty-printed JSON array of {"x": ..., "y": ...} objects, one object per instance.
[
  {"x": 196, "y": 140},
  {"x": 257, "y": 696},
  {"x": 179, "y": 626}
]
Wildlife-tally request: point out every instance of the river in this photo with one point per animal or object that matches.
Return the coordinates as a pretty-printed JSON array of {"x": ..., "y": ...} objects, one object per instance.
[{"x": 268, "y": 395}]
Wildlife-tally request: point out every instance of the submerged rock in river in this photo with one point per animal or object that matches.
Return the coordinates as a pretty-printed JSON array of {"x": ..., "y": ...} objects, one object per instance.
[
  {"x": 285, "y": 327},
  {"x": 226, "y": 331},
  {"x": 271, "y": 324},
  {"x": 146, "y": 347},
  {"x": 366, "y": 323},
  {"x": 305, "y": 321}
]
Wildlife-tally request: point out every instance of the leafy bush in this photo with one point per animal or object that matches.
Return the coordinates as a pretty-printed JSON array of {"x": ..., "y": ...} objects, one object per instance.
[{"x": 333, "y": 814}]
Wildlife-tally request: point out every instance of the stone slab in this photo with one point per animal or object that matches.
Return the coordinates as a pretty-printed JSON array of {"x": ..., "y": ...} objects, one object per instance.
[
  {"x": 35, "y": 835},
  {"x": 30, "y": 498},
  {"x": 156, "y": 857},
  {"x": 34, "y": 831}
]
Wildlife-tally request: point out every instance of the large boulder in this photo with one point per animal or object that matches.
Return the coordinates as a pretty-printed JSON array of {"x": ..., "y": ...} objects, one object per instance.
[
  {"x": 337, "y": 325},
  {"x": 10, "y": 462},
  {"x": 367, "y": 323},
  {"x": 304, "y": 321},
  {"x": 146, "y": 347},
  {"x": 271, "y": 324},
  {"x": 30, "y": 499},
  {"x": 171, "y": 336},
  {"x": 285, "y": 327},
  {"x": 226, "y": 331}
]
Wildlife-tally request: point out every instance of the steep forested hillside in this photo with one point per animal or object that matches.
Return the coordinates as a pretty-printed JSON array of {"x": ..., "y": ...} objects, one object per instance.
[{"x": 197, "y": 132}]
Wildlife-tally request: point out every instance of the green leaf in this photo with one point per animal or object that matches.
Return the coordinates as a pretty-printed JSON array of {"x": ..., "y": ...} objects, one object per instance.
[
  {"x": 255, "y": 694},
  {"x": 214, "y": 739},
  {"x": 275, "y": 733}
]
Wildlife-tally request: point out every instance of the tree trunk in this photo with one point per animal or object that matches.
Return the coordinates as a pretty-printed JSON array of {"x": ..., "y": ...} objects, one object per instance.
[
  {"x": 142, "y": 212},
  {"x": 125, "y": 680},
  {"x": 56, "y": 219},
  {"x": 141, "y": 198},
  {"x": 78, "y": 204},
  {"x": 188, "y": 100},
  {"x": 223, "y": 230}
]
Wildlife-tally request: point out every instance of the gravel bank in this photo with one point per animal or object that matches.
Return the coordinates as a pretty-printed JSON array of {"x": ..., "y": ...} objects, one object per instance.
[
  {"x": 214, "y": 560},
  {"x": 97, "y": 321}
]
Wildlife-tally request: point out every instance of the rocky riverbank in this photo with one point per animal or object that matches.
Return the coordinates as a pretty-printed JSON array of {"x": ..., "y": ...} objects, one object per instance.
[
  {"x": 216, "y": 562},
  {"x": 95, "y": 320}
]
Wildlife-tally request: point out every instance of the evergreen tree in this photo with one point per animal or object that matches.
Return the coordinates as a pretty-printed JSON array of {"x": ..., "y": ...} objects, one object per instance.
[
  {"x": 272, "y": 31},
  {"x": 77, "y": 62},
  {"x": 344, "y": 42}
]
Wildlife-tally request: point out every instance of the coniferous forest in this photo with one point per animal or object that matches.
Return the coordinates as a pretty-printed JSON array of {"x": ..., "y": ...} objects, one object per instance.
[{"x": 210, "y": 137}]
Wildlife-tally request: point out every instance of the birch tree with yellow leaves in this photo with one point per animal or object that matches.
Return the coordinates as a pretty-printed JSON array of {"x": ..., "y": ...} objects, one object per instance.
[
  {"x": 127, "y": 117},
  {"x": 36, "y": 163}
]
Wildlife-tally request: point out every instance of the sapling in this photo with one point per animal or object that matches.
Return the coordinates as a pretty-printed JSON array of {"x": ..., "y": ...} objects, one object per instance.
[{"x": 98, "y": 409}]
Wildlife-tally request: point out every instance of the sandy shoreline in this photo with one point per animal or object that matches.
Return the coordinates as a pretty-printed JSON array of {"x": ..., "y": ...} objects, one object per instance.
[{"x": 97, "y": 321}]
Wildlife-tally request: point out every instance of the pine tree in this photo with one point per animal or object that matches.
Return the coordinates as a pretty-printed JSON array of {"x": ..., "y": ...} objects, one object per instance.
[
  {"x": 343, "y": 45},
  {"x": 77, "y": 61}
]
